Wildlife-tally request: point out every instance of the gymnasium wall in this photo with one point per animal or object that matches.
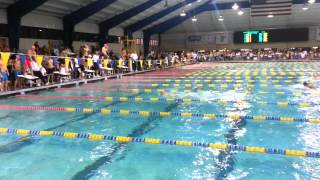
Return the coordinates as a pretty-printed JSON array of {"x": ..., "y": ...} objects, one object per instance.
[
  {"x": 180, "y": 41},
  {"x": 3, "y": 16},
  {"x": 50, "y": 22}
]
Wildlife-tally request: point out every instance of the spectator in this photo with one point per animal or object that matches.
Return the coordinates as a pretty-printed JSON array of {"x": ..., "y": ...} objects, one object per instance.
[
  {"x": 4, "y": 77},
  {"x": 11, "y": 71},
  {"x": 134, "y": 58},
  {"x": 96, "y": 62},
  {"x": 36, "y": 47},
  {"x": 36, "y": 70},
  {"x": 105, "y": 51},
  {"x": 17, "y": 72},
  {"x": 49, "y": 66},
  {"x": 75, "y": 68}
]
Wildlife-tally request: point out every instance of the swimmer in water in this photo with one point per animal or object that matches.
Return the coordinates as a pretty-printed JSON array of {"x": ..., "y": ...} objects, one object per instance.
[
  {"x": 309, "y": 85},
  {"x": 315, "y": 76},
  {"x": 240, "y": 106},
  {"x": 164, "y": 94}
]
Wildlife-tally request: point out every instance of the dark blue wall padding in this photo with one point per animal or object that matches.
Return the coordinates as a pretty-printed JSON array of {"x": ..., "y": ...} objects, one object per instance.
[
  {"x": 72, "y": 19},
  {"x": 162, "y": 27},
  {"x": 106, "y": 25},
  {"x": 14, "y": 14},
  {"x": 208, "y": 6},
  {"x": 148, "y": 20}
]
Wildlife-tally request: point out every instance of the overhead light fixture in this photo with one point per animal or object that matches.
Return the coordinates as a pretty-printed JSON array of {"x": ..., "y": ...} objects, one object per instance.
[
  {"x": 220, "y": 18},
  {"x": 240, "y": 12},
  {"x": 305, "y": 7},
  {"x": 194, "y": 19},
  {"x": 190, "y": 4},
  {"x": 199, "y": 0},
  {"x": 270, "y": 16},
  {"x": 311, "y": 1},
  {"x": 182, "y": 14},
  {"x": 40, "y": 30},
  {"x": 235, "y": 6}
]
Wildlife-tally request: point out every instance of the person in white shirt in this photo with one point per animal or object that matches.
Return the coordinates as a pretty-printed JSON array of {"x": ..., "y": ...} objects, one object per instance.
[
  {"x": 96, "y": 67},
  {"x": 134, "y": 57},
  {"x": 37, "y": 70}
]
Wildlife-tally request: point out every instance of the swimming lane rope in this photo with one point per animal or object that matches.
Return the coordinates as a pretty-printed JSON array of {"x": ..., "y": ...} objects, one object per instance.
[
  {"x": 230, "y": 81},
  {"x": 154, "y": 141},
  {"x": 162, "y": 114},
  {"x": 165, "y": 99},
  {"x": 236, "y": 77},
  {"x": 137, "y": 90},
  {"x": 212, "y": 86}
]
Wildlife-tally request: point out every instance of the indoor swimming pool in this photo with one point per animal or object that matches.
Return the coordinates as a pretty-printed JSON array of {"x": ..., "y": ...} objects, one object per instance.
[{"x": 258, "y": 105}]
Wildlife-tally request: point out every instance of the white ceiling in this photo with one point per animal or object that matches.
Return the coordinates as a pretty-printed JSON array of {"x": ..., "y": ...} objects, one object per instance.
[
  {"x": 206, "y": 21},
  {"x": 209, "y": 21},
  {"x": 60, "y": 8}
]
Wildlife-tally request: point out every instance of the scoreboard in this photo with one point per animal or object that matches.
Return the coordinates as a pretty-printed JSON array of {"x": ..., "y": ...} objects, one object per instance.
[
  {"x": 255, "y": 36},
  {"x": 273, "y": 35}
]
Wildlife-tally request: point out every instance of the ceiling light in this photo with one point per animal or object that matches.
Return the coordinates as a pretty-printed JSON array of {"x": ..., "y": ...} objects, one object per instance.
[
  {"x": 305, "y": 7},
  {"x": 240, "y": 12},
  {"x": 194, "y": 19},
  {"x": 190, "y": 4},
  {"x": 182, "y": 14},
  {"x": 40, "y": 30},
  {"x": 235, "y": 6},
  {"x": 270, "y": 16},
  {"x": 199, "y": 1},
  {"x": 220, "y": 18},
  {"x": 311, "y": 1}
]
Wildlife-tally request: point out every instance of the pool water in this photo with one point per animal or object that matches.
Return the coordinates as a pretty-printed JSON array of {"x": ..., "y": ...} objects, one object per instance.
[{"x": 58, "y": 158}]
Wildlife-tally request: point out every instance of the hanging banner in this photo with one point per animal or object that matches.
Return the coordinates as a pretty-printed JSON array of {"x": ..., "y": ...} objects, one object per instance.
[
  {"x": 194, "y": 39},
  {"x": 318, "y": 34},
  {"x": 222, "y": 38},
  {"x": 209, "y": 38}
]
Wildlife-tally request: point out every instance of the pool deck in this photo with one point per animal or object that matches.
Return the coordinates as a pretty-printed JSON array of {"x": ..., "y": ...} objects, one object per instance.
[
  {"x": 266, "y": 61},
  {"x": 70, "y": 83}
]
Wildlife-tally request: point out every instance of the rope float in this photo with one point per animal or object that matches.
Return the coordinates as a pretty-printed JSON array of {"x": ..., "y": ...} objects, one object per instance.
[
  {"x": 162, "y": 114},
  {"x": 230, "y": 81},
  {"x": 218, "y": 78},
  {"x": 237, "y": 77},
  {"x": 156, "y": 99},
  {"x": 270, "y": 68},
  {"x": 218, "y": 85},
  {"x": 252, "y": 73},
  {"x": 221, "y": 86},
  {"x": 244, "y": 71},
  {"x": 112, "y": 90},
  {"x": 240, "y": 72},
  {"x": 206, "y": 81},
  {"x": 249, "y": 75},
  {"x": 136, "y": 90},
  {"x": 112, "y": 84},
  {"x": 154, "y": 141}
]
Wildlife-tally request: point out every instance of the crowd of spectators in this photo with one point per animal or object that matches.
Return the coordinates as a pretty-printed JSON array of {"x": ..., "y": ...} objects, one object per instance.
[
  {"x": 263, "y": 54},
  {"x": 26, "y": 70},
  {"x": 56, "y": 66}
]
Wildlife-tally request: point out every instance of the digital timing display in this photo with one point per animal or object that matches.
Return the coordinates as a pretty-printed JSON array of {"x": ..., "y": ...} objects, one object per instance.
[
  {"x": 255, "y": 36},
  {"x": 274, "y": 35}
]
